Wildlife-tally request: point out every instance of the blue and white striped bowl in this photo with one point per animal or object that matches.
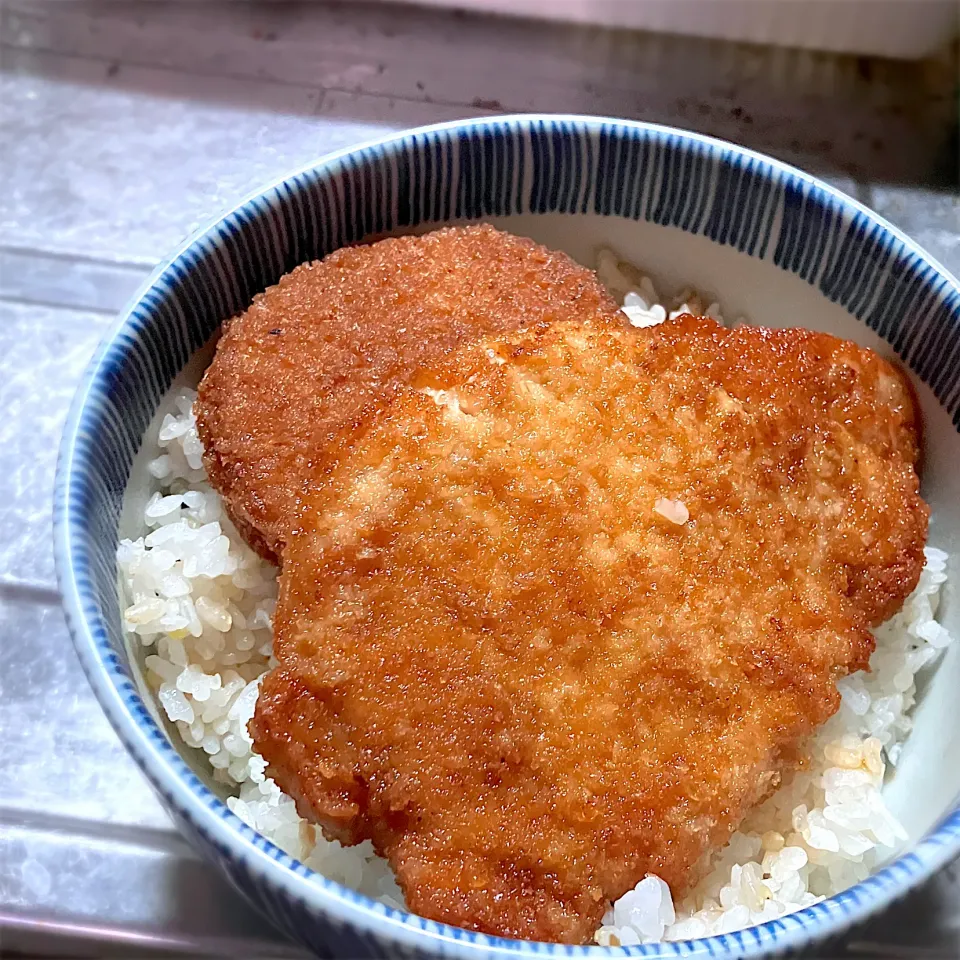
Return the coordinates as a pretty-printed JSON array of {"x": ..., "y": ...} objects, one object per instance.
[{"x": 769, "y": 241}]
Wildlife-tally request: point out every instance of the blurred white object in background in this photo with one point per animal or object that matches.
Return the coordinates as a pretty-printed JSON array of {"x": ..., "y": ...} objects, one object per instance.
[{"x": 906, "y": 29}]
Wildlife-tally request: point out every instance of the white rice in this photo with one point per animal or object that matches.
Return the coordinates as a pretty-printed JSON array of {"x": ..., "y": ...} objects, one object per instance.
[{"x": 202, "y": 604}]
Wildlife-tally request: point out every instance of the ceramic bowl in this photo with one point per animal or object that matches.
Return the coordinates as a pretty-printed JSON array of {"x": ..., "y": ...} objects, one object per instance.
[{"x": 772, "y": 243}]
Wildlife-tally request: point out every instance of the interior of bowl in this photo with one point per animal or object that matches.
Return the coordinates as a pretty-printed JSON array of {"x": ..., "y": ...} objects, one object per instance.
[{"x": 772, "y": 245}]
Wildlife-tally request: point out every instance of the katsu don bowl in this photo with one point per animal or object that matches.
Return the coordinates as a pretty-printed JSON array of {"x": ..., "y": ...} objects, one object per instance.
[{"x": 609, "y": 476}]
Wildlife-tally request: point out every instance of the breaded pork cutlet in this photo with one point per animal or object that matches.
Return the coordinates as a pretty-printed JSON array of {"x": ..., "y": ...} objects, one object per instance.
[
  {"x": 564, "y": 616},
  {"x": 297, "y": 373}
]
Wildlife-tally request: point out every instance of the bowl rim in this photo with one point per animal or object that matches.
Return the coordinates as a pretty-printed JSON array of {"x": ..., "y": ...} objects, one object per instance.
[{"x": 163, "y": 765}]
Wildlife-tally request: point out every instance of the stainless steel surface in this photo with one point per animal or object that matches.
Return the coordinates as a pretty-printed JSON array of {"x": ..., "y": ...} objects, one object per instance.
[{"x": 125, "y": 126}]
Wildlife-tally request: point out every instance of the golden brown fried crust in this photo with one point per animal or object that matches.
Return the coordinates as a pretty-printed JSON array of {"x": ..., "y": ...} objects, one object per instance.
[
  {"x": 333, "y": 340},
  {"x": 503, "y": 664}
]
